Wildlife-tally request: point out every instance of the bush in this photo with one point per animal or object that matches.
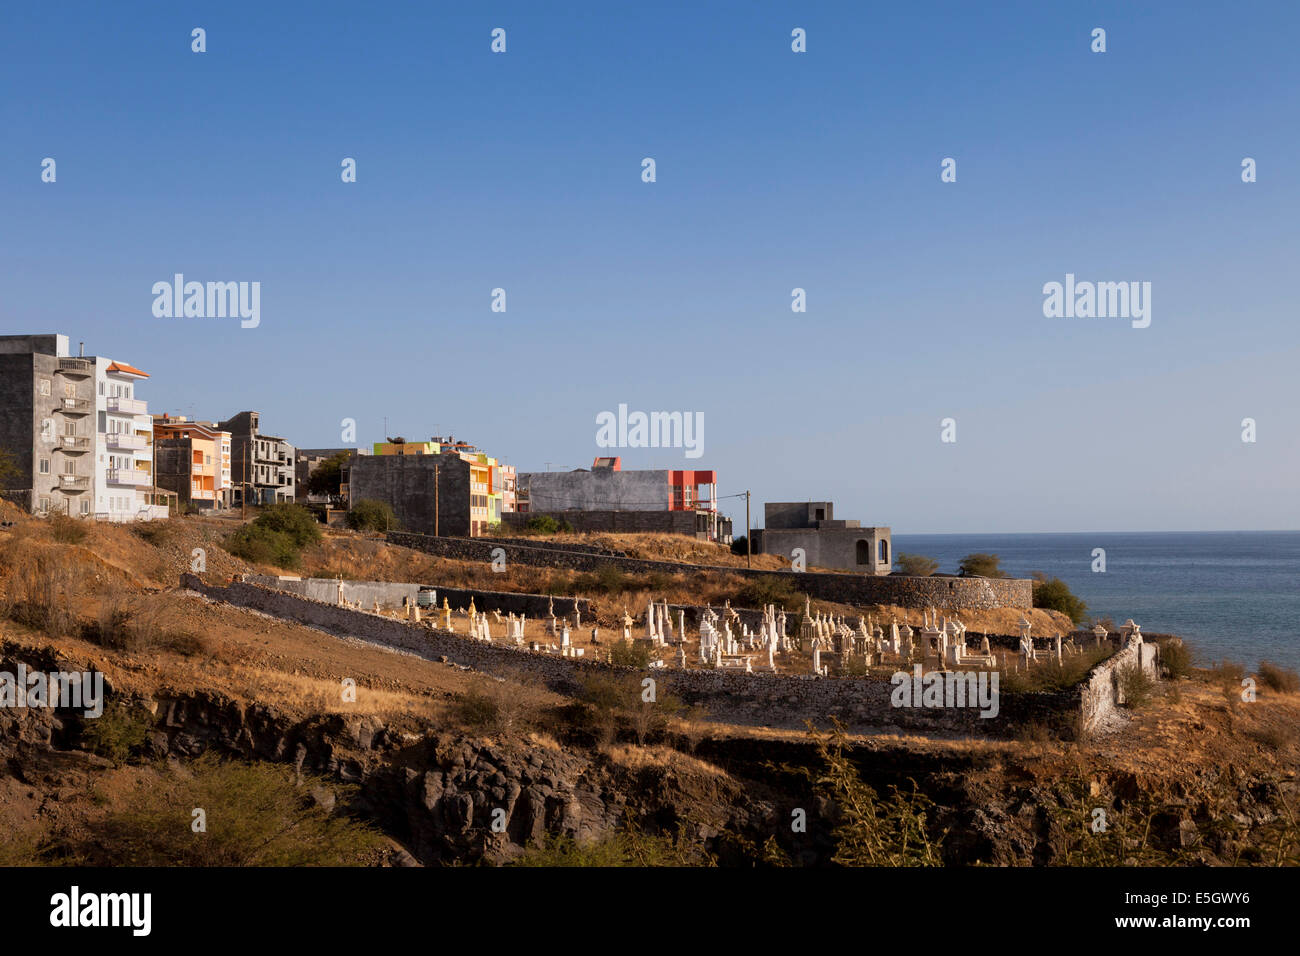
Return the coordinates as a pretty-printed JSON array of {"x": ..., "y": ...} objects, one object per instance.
[
  {"x": 1175, "y": 659},
  {"x": 256, "y": 816},
  {"x": 756, "y": 592},
  {"x": 625, "y": 653},
  {"x": 118, "y": 734},
  {"x": 980, "y": 565},
  {"x": 916, "y": 564},
  {"x": 738, "y": 546},
  {"x": 1053, "y": 594},
  {"x": 1135, "y": 686},
  {"x": 542, "y": 524},
  {"x": 629, "y": 847},
  {"x": 259, "y": 545},
  {"x": 293, "y": 520},
  {"x": 1279, "y": 679},
  {"x": 372, "y": 515}
]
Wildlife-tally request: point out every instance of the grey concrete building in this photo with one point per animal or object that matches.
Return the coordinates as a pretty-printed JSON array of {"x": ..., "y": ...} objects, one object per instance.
[
  {"x": 262, "y": 465},
  {"x": 826, "y": 541},
  {"x": 606, "y": 498},
  {"x": 429, "y": 494},
  {"x": 78, "y": 437}
]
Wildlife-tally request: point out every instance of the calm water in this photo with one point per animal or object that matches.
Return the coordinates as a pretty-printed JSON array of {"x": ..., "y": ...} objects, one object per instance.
[{"x": 1232, "y": 594}]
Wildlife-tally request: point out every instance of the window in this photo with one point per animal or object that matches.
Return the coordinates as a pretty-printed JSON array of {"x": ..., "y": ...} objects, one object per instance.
[
  {"x": 821, "y": 516},
  {"x": 864, "y": 552},
  {"x": 45, "y": 466},
  {"x": 44, "y": 505},
  {"x": 45, "y": 386},
  {"x": 101, "y": 388},
  {"x": 884, "y": 551},
  {"x": 85, "y": 507}
]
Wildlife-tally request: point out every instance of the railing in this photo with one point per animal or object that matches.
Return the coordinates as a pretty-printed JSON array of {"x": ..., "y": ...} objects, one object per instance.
[
  {"x": 76, "y": 366},
  {"x": 124, "y": 440},
  {"x": 75, "y": 482},
  {"x": 127, "y": 406},
  {"x": 127, "y": 476},
  {"x": 74, "y": 443}
]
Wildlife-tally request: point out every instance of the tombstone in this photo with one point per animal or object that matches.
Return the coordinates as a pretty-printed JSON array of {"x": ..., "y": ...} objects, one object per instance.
[
  {"x": 564, "y": 635},
  {"x": 595, "y": 635},
  {"x": 681, "y": 655}
]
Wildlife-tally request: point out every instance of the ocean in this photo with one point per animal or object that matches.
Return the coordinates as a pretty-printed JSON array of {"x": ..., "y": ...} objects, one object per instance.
[{"x": 1232, "y": 595}]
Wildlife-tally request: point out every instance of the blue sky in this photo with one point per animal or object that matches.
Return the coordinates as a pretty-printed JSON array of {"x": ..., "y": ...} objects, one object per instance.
[{"x": 775, "y": 170}]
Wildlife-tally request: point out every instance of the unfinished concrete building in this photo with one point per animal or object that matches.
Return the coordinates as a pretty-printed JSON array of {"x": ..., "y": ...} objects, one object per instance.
[{"x": 826, "y": 542}]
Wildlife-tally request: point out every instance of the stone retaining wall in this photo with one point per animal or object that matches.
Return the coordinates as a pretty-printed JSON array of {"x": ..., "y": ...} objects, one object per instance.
[
  {"x": 948, "y": 593},
  {"x": 393, "y": 595}
]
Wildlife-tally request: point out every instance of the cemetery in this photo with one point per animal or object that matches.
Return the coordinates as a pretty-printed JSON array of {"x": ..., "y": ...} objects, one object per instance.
[{"x": 765, "y": 666}]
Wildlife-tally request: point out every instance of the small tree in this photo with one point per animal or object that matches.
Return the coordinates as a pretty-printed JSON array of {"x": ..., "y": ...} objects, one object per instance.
[
  {"x": 328, "y": 475},
  {"x": 1053, "y": 594},
  {"x": 372, "y": 515},
  {"x": 980, "y": 565},
  {"x": 915, "y": 564}
]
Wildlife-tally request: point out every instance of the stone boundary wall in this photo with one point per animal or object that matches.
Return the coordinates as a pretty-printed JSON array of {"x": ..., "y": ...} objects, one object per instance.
[
  {"x": 788, "y": 702},
  {"x": 393, "y": 595},
  {"x": 614, "y": 522},
  {"x": 901, "y": 590},
  {"x": 1100, "y": 692}
]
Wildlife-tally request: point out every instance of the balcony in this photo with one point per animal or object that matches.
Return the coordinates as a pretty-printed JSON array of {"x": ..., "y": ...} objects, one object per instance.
[
  {"x": 74, "y": 482},
  {"x": 74, "y": 443},
  {"x": 128, "y": 476},
  {"x": 127, "y": 406},
  {"x": 75, "y": 406},
  {"x": 81, "y": 367},
  {"x": 125, "y": 440}
]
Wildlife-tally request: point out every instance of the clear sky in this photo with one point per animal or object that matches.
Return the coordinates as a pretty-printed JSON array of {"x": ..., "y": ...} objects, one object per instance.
[{"x": 775, "y": 170}]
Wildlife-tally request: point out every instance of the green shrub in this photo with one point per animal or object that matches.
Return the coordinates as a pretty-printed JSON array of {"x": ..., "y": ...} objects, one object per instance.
[
  {"x": 917, "y": 564},
  {"x": 372, "y": 515},
  {"x": 629, "y": 847},
  {"x": 870, "y": 830},
  {"x": 259, "y": 545},
  {"x": 293, "y": 520},
  {"x": 625, "y": 653},
  {"x": 756, "y": 592},
  {"x": 981, "y": 565},
  {"x": 1053, "y": 594},
  {"x": 118, "y": 734},
  {"x": 542, "y": 524},
  {"x": 255, "y": 815}
]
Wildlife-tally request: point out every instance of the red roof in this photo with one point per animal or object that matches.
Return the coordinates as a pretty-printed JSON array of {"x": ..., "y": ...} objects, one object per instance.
[{"x": 126, "y": 369}]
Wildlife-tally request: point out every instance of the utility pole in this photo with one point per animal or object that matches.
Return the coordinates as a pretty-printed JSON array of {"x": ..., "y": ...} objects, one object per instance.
[
  {"x": 435, "y": 500},
  {"x": 749, "y": 541}
]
